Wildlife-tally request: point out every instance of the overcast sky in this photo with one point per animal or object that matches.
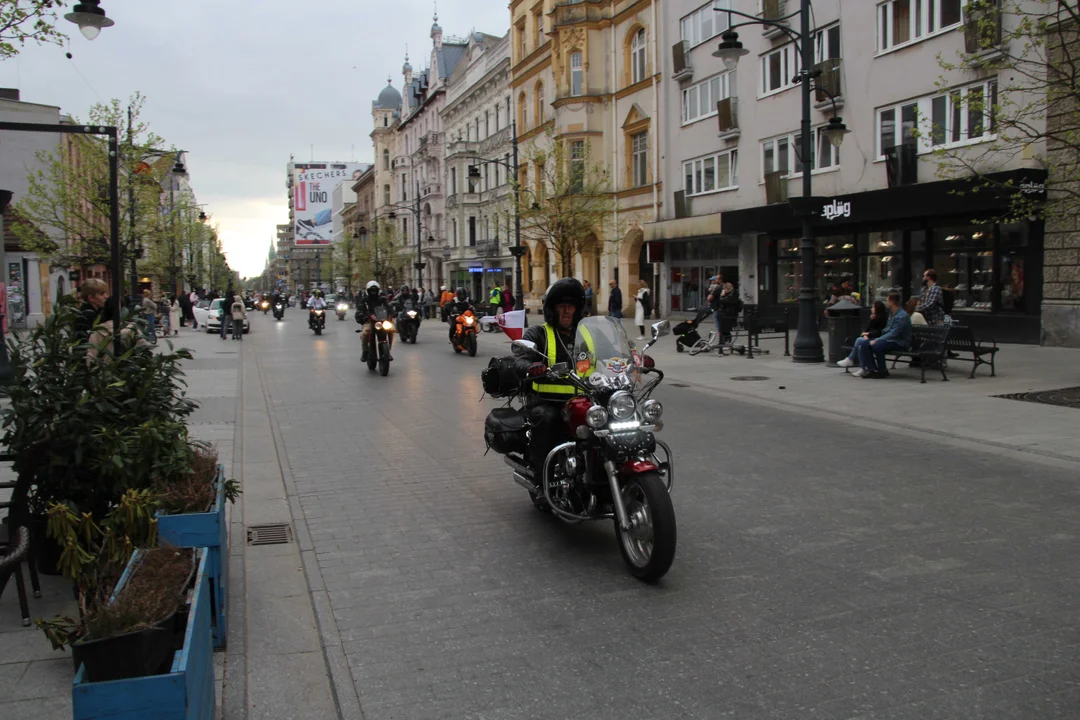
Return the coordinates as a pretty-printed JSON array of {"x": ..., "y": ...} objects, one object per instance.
[{"x": 242, "y": 84}]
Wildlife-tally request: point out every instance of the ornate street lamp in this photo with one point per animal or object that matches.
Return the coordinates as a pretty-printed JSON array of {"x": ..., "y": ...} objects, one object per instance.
[
  {"x": 89, "y": 17},
  {"x": 808, "y": 345}
]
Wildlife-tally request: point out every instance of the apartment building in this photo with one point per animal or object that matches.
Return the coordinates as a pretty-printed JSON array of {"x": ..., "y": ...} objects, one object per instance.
[
  {"x": 479, "y": 208},
  {"x": 731, "y": 160},
  {"x": 587, "y": 74}
]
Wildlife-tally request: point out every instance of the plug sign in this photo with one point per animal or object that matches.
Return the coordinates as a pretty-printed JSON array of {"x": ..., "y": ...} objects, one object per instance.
[{"x": 836, "y": 209}]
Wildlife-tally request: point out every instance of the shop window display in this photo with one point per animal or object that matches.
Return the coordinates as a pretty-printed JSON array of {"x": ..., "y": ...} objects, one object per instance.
[{"x": 964, "y": 260}]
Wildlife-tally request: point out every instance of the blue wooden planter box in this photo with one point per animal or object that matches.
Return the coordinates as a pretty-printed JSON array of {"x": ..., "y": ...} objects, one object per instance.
[
  {"x": 185, "y": 693},
  {"x": 209, "y": 530}
]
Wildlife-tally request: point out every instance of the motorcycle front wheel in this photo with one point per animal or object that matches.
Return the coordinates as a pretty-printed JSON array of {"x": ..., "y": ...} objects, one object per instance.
[
  {"x": 384, "y": 365},
  {"x": 648, "y": 547},
  {"x": 372, "y": 359},
  {"x": 472, "y": 344},
  {"x": 318, "y": 330}
]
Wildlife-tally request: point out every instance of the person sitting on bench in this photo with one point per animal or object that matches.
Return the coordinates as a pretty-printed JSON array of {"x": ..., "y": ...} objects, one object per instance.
[
  {"x": 896, "y": 336},
  {"x": 879, "y": 317}
]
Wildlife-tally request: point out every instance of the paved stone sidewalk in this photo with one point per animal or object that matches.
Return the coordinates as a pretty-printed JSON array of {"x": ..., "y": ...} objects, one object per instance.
[{"x": 960, "y": 409}]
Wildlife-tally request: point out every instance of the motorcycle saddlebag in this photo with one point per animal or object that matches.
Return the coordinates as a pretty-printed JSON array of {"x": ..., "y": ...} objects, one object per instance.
[
  {"x": 499, "y": 377},
  {"x": 504, "y": 431}
]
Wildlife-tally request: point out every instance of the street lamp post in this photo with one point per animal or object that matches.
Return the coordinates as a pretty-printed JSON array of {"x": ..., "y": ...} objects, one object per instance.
[
  {"x": 517, "y": 250},
  {"x": 808, "y": 346}
]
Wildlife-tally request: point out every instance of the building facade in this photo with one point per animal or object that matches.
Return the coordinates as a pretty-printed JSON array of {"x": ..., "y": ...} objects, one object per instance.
[
  {"x": 588, "y": 75},
  {"x": 732, "y": 158},
  {"x": 476, "y": 116}
]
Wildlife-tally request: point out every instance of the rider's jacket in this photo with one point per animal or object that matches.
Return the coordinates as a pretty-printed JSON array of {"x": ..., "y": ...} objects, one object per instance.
[
  {"x": 557, "y": 349},
  {"x": 366, "y": 305},
  {"x": 456, "y": 307}
]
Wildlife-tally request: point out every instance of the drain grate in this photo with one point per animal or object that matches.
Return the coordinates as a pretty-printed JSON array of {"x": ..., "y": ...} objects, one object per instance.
[
  {"x": 749, "y": 378},
  {"x": 269, "y": 534},
  {"x": 1065, "y": 397}
]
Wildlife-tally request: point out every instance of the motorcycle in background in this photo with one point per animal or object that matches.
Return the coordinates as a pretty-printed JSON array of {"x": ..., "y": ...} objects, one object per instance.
[
  {"x": 610, "y": 464},
  {"x": 279, "y": 311},
  {"x": 264, "y": 306},
  {"x": 380, "y": 341},
  {"x": 465, "y": 333},
  {"x": 409, "y": 324},
  {"x": 317, "y": 320},
  {"x": 342, "y": 308}
]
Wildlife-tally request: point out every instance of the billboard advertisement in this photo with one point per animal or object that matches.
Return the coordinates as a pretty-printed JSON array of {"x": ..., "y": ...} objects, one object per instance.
[{"x": 313, "y": 186}]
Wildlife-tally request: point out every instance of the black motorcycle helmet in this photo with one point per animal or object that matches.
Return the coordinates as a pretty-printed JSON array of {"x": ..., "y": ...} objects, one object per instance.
[
  {"x": 460, "y": 294},
  {"x": 566, "y": 290}
]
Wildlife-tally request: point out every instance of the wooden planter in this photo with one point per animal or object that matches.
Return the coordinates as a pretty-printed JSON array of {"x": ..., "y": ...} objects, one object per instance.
[
  {"x": 206, "y": 530},
  {"x": 185, "y": 693}
]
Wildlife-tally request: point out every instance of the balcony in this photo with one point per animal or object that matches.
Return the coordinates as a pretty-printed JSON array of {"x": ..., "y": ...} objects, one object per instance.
[
  {"x": 828, "y": 82},
  {"x": 727, "y": 115},
  {"x": 773, "y": 10},
  {"x": 682, "y": 70},
  {"x": 902, "y": 164},
  {"x": 462, "y": 147},
  {"x": 400, "y": 161},
  {"x": 431, "y": 190},
  {"x": 487, "y": 248},
  {"x": 570, "y": 12},
  {"x": 776, "y": 187},
  {"x": 982, "y": 29},
  {"x": 451, "y": 201}
]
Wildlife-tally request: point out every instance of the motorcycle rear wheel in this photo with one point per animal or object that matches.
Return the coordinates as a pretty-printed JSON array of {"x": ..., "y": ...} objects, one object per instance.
[
  {"x": 648, "y": 547},
  {"x": 472, "y": 344}
]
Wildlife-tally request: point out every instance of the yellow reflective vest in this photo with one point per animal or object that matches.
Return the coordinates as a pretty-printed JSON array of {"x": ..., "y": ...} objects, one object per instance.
[{"x": 555, "y": 389}]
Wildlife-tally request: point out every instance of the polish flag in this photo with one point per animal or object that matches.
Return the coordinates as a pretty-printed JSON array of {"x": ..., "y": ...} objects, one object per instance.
[{"x": 513, "y": 323}]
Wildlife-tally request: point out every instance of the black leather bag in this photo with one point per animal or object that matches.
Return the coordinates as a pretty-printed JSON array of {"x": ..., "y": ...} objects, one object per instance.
[
  {"x": 499, "y": 378},
  {"x": 504, "y": 431}
]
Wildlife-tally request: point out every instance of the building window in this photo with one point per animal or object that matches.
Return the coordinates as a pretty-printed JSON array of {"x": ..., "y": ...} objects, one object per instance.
[
  {"x": 405, "y": 231},
  {"x": 386, "y": 194},
  {"x": 576, "y": 74},
  {"x": 639, "y": 158},
  {"x": 453, "y": 232},
  {"x": 827, "y": 43},
  {"x": 496, "y": 117},
  {"x": 538, "y": 25},
  {"x": 705, "y": 23},
  {"x": 959, "y": 117},
  {"x": 386, "y": 159},
  {"x": 541, "y": 113},
  {"x": 577, "y": 165},
  {"x": 404, "y": 189},
  {"x": 506, "y": 158},
  {"x": 778, "y": 69},
  {"x": 711, "y": 174},
  {"x": 487, "y": 123},
  {"x": 453, "y": 181},
  {"x": 522, "y": 41},
  {"x": 637, "y": 57},
  {"x": 523, "y": 113},
  {"x": 472, "y": 231},
  {"x": 782, "y": 154},
  {"x": 699, "y": 100},
  {"x": 905, "y": 21}
]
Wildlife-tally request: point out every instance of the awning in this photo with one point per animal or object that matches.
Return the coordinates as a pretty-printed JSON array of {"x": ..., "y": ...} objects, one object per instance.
[{"x": 683, "y": 228}]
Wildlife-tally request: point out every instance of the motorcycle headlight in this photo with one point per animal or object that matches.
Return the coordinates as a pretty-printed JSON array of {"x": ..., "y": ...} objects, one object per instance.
[
  {"x": 387, "y": 325},
  {"x": 411, "y": 313},
  {"x": 342, "y": 307},
  {"x": 318, "y": 312},
  {"x": 622, "y": 405},
  {"x": 651, "y": 410},
  {"x": 468, "y": 321},
  {"x": 596, "y": 417}
]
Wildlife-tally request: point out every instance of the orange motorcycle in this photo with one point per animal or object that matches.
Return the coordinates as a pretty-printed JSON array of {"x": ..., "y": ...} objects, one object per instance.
[{"x": 466, "y": 327}]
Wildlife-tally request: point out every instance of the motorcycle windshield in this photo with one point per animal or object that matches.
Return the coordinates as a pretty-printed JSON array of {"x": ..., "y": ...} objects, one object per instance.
[{"x": 605, "y": 355}]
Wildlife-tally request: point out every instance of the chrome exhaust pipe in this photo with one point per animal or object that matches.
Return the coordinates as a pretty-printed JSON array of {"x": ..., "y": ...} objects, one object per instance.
[{"x": 526, "y": 483}]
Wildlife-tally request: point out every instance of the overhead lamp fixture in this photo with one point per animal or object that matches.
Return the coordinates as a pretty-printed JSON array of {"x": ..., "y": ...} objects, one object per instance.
[
  {"x": 730, "y": 49},
  {"x": 202, "y": 216},
  {"x": 89, "y": 17},
  {"x": 835, "y": 131},
  {"x": 178, "y": 169}
]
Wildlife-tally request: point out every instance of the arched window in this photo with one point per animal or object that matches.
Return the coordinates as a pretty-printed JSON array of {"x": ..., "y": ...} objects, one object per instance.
[
  {"x": 637, "y": 57},
  {"x": 541, "y": 111},
  {"x": 386, "y": 159},
  {"x": 523, "y": 113}
]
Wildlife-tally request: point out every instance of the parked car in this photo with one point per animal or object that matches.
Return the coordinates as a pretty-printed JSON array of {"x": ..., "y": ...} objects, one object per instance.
[{"x": 207, "y": 316}]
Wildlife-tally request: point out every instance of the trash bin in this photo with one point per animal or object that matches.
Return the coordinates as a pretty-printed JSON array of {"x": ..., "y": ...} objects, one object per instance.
[{"x": 845, "y": 323}]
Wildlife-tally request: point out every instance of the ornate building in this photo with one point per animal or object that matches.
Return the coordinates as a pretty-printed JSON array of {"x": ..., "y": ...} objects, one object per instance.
[
  {"x": 588, "y": 74},
  {"x": 476, "y": 115}
]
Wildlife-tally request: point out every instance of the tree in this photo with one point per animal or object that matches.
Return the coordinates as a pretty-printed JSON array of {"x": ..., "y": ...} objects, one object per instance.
[
  {"x": 1032, "y": 112},
  {"x": 568, "y": 202},
  {"x": 69, "y": 191},
  {"x": 380, "y": 257},
  {"x": 28, "y": 20}
]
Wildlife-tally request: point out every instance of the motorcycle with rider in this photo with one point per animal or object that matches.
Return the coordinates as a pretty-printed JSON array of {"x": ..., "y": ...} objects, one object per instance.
[
  {"x": 408, "y": 314},
  {"x": 463, "y": 323},
  {"x": 317, "y": 312},
  {"x": 578, "y": 430},
  {"x": 377, "y": 336}
]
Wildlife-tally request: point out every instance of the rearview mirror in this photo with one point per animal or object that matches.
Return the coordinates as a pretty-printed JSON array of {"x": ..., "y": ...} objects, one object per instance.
[
  {"x": 524, "y": 348},
  {"x": 661, "y": 329}
]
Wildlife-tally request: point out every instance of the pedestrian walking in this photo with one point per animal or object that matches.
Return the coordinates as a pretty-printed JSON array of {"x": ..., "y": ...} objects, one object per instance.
[
  {"x": 174, "y": 315},
  {"x": 224, "y": 316},
  {"x": 588, "y": 298},
  {"x": 238, "y": 314},
  {"x": 508, "y": 298},
  {"x": 642, "y": 308},
  {"x": 149, "y": 311},
  {"x": 495, "y": 301},
  {"x": 614, "y": 303}
]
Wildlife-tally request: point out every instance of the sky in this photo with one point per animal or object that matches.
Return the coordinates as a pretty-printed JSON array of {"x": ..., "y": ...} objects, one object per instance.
[{"x": 243, "y": 84}]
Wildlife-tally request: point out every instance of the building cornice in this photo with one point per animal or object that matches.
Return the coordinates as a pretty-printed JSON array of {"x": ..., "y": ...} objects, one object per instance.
[
  {"x": 637, "y": 87},
  {"x": 538, "y": 130}
]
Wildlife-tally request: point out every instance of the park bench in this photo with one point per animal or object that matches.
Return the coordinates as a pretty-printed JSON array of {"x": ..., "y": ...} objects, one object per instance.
[
  {"x": 962, "y": 340},
  {"x": 929, "y": 346},
  {"x": 758, "y": 327}
]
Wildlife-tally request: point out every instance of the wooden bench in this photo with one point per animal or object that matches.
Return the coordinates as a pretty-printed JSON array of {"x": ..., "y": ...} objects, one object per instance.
[
  {"x": 962, "y": 340},
  {"x": 928, "y": 344}
]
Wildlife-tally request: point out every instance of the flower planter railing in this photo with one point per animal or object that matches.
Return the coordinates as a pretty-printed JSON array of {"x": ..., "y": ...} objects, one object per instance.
[
  {"x": 184, "y": 693},
  {"x": 207, "y": 530}
]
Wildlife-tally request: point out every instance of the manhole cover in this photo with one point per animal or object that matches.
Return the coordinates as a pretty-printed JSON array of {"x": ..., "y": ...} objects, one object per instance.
[
  {"x": 1065, "y": 397},
  {"x": 270, "y": 534},
  {"x": 749, "y": 378}
]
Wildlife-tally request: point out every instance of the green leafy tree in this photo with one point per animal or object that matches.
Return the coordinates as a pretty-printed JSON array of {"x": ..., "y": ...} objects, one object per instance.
[
  {"x": 23, "y": 21},
  {"x": 1033, "y": 49},
  {"x": 568, "y": 203},
  {"x": 382, "y": 258}
]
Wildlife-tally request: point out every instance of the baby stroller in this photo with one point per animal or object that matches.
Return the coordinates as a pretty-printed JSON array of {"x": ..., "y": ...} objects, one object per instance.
[{"x": 686, "y": 333}]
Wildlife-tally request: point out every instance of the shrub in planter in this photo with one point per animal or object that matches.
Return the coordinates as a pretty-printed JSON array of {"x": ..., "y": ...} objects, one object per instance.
[
  {"x": 110, "y": 426},
  {"x": 195, "y": 491}
]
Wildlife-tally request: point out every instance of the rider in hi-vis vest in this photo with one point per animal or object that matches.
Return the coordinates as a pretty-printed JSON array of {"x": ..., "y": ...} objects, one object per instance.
[{"x": 564, "y": 305}]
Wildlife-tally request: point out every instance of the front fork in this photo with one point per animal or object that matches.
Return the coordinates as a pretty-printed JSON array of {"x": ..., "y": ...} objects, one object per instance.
[
  {"x": 616, "y": 494},
  {"x": 613, "y": 480}
]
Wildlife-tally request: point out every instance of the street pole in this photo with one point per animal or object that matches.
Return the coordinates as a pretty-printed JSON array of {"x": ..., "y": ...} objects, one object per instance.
[
  {"x": 133, "y": 242},
  {"x": 7, "y": 373},
  {"x": 114, "y": 231},
  {"x": 808, "y": 347},
  {"x": 419, "y": 253},
  {"x": 518, "y": 251}
]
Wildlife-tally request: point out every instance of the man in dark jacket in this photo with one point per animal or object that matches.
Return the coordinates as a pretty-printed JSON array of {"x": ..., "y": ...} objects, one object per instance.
[{"x": 614, "y": 303}]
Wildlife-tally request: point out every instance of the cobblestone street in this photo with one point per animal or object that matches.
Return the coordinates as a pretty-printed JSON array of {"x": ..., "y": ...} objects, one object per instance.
[{"x": 824, "y": 569}]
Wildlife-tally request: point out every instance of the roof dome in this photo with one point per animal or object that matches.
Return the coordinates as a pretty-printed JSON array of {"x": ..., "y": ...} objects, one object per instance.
[{"x": 389, "y": 98}]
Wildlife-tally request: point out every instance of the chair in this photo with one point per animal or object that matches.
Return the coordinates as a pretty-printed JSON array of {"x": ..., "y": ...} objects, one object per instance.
[{"x": 15, "y": 537}]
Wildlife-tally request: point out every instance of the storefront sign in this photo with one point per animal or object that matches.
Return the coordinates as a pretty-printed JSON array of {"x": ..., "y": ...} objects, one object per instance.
[{"x": 836, "y": 209}]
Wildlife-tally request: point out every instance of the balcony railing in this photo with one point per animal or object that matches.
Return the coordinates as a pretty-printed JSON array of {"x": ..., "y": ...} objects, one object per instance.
[
  {"x": 776, "y": 187},
  {"x": 568, "y": 12},
  {"x": 682, "y": 69},
  {"x": 727, "y": 116},
  {"x": 829, "y": 80},
  {"x": 902, "y": 164},
  {"x": 773, "y": 10},
  {"x": 982, "y": 26},
  {"x": 430, "y": 189},
  {"x": 487, "y": 248}
]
